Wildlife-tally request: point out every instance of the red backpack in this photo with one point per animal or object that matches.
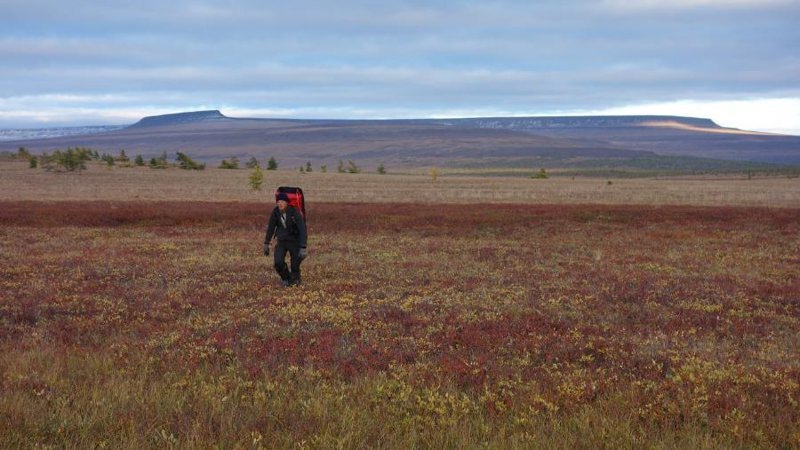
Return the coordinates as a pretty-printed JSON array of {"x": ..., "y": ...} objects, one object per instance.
[{"x": 296, "y": 199}]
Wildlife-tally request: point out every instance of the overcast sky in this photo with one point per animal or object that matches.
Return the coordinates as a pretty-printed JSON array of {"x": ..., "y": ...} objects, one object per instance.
[{"x": 112, "y": 62}]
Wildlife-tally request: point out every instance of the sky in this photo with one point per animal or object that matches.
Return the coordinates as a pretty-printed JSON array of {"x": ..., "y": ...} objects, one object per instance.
[{"x": 69, "y": 62}]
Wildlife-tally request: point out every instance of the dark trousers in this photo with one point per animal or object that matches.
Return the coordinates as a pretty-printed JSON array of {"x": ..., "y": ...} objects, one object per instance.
[{"x": 293, "y": 248}]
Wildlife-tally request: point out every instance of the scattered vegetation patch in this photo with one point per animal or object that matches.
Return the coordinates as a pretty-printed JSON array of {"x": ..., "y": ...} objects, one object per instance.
[{"x": 187, "y": 163}]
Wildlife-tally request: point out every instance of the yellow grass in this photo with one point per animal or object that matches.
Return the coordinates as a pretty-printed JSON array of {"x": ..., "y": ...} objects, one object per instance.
[{"x": 18, "y": 182}]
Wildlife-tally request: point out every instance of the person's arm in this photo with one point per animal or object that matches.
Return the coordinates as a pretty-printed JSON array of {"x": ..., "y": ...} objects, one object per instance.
[
  {"x": 271, "y": 226},
  {"x": 302, "y": 235}
]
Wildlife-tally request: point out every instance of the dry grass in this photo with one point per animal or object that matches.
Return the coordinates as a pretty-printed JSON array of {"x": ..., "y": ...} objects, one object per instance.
[{"x": 17, "y": 182}]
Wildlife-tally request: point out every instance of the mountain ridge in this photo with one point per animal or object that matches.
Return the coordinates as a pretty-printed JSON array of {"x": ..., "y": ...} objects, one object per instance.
[
  {"x": 179, "y": 118},
  {"x": 547, "y": 141},
  {"x": 509, "y": 122}
]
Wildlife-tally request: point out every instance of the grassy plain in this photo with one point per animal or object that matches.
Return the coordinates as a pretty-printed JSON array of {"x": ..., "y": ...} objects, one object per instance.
[
  {"x": 17, "y": 182},
  {"x": 147, "y": 323}
]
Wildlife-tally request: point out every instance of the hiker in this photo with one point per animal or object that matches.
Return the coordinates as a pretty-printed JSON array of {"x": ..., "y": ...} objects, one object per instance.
[{"x": 286, "y": 224}]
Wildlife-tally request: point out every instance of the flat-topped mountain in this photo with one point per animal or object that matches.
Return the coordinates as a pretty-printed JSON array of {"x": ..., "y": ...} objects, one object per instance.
[
  {"x": 588, "y": 141},
  {"x": 505, "y": 123},
  {"x": 179, "y": 118}
]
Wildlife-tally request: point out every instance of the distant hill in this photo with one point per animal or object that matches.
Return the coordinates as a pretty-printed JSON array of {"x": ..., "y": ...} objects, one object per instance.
[
  {"x": 179, "y": 118},
  {"x": 18, "y": 134},
  {"x": 573, "y": 122},
  {"x": 587, "y": 141},
  {"x": 663, "y": 135}
]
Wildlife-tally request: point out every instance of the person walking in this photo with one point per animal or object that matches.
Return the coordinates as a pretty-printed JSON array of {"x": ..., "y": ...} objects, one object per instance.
[{"x": 287, "y": 227}]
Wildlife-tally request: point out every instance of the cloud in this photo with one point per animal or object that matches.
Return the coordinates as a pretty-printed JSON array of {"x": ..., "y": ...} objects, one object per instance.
[
  {"x": 360, "y": 58},
  {"x": 778, "y": 115},
  {"x": 642, "y": 5}
]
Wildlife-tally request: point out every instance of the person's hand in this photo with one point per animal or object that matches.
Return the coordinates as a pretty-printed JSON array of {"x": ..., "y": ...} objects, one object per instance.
[
  {"x": 266, "y": 249},
  {"x": 303, "y": 253}
]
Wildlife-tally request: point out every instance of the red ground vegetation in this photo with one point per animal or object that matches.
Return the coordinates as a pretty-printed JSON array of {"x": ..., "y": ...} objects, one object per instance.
[{"x": 691, "y": 314}]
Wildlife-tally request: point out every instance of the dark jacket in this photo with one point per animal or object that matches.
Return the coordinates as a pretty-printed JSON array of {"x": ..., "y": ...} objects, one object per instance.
[{"x": 295, "y": 230}]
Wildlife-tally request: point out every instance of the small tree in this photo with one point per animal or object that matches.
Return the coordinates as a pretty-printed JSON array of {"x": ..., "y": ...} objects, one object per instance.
[
  {"x": 323, "y": 168},
  {"x": 272, "y": 164},
  {"x": 541, "y": 175},
  {"x": 108, "y": 159},
  {"x": 46, "y": 161},
  {"x": 252, "y": 163},
  {"x": 381, "y": 169},
  {"x": 434, "y": 173},
  {"x": 308, "y": 166},
  {"x": 23, "y": 153},
  {"x": 352, "y": 167},
  {"x": 139, "y": 161},
  {"x": 187, "y": 163},
  {"x": 71, "y": 160},
  {"x": 122, "y": 157},
  {"x": 225, "y": 164},
  {"x": 340, "y": 167},
  {"x": 159, "y": 162},
  {"x": 256, "y": 178}
]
